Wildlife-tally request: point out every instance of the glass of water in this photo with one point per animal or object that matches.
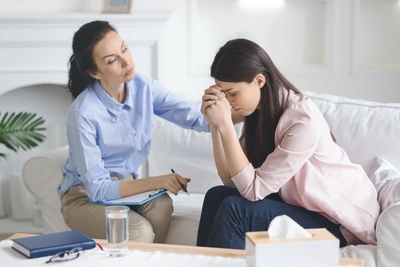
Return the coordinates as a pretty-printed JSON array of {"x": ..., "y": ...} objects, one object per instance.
[{"x": 117, "y": 222}]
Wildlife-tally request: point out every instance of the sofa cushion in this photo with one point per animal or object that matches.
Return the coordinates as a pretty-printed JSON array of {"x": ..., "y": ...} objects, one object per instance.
[
  {"x": 364, "y": 129},
  {"x": 366, "y": 252},
  {"x": 185, "y": 219},
  {"x": 388, "y": 237},
  {"x": 386, "y": 179}
]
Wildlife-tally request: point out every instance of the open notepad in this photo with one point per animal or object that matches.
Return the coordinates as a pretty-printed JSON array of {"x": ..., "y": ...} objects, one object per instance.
[{"x": 137, "y": 199}]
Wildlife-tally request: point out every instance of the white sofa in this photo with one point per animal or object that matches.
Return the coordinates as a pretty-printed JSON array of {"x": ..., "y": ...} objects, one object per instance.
[{"x": 364, "y": 129}]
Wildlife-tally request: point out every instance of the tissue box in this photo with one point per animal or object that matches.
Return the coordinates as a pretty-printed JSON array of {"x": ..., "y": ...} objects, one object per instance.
[{"x": 322, "y": 250}]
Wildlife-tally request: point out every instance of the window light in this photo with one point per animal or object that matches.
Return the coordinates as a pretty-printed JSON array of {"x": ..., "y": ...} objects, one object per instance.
[{"x": 261, "y": 3}]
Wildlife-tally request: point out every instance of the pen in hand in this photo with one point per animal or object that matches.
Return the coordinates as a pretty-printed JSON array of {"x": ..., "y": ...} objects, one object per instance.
[
  {"x": 155, "y": 193},
  {"x": 183, "y": 187}
]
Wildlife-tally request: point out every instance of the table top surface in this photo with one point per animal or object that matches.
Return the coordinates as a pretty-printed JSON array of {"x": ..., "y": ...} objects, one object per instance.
[{"x": 181, "y": 249}]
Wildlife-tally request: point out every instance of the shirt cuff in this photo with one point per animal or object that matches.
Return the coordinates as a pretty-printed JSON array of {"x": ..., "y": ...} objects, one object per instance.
[
  {"x": 228, "y": 183},
  {"x": 242, "y": 177}
]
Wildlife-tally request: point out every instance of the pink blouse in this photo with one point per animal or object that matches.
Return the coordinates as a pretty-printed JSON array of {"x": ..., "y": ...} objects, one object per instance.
[{"x": 308, "y": 169}]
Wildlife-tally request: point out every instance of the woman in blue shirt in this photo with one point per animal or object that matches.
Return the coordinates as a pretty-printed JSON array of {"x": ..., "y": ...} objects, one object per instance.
[{"x": 109, "y": 129}]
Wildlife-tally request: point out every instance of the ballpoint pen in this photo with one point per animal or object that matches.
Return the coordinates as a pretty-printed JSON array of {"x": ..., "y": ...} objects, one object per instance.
[
  {"x": 155, "y": 193},
  {"x": 183, "y": 187}
]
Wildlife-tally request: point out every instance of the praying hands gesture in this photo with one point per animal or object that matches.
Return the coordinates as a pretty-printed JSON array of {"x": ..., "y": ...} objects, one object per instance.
[
  {"x": 228, "y": 154},
  {"x": 215, "y": 107}
]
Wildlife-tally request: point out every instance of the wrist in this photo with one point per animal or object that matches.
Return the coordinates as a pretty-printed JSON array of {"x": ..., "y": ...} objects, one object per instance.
[
  {"x": 224, "y": 126},
  {"x": 213, "y": 127}
]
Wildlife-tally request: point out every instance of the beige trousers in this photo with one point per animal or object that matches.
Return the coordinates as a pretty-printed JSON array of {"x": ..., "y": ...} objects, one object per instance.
[{"x": 147, "y": 223}]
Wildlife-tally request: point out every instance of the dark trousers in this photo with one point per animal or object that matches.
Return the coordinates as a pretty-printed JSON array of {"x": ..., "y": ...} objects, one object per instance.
[{"x": 226, "y": 217}]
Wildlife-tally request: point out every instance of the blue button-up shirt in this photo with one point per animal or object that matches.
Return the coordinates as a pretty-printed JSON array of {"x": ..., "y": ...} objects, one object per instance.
[{"x": 105, "y": 136}]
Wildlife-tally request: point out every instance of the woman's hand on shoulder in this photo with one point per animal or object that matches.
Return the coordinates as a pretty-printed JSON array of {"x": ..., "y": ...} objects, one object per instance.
[{"x": 172, "y": 182}]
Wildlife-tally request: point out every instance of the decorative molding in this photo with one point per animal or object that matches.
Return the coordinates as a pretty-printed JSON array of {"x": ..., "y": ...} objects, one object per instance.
[
  {"x": 30, "y": 34},
  {"x": 356, "y": 70},
  {"x": 22, "y": 44},
  {"x": 330, "y": 51},
  {"x": 332, "y": 37},
  {"x": 193, "y": 69},
  {"x": 54, "y": 20},
  {"x": 66, "y": 43},
  {"x": 32, "y": 70},
  {"x": 353, "y": 39}
]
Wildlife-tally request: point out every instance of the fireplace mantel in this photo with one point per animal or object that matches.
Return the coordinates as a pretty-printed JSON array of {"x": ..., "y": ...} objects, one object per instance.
[{"x": 35, "y": 48}]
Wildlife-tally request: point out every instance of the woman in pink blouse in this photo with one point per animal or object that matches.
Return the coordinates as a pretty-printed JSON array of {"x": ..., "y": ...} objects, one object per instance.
[{"x": 285, "y": 162}]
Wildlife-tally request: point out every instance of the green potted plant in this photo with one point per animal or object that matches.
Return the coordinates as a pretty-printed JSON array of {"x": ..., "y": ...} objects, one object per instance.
[{"x": 21, "y": 130}]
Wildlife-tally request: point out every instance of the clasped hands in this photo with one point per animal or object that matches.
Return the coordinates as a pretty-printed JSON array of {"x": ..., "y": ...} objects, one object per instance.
[{"x": 215, "y": 106}]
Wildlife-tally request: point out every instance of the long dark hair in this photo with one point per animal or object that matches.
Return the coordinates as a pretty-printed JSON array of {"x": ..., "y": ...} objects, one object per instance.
[
  {"x": 83, "y": 43},
  {"x": 240, "y": 60}
]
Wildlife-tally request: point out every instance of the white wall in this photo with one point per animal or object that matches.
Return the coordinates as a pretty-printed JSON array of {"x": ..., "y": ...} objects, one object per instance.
[{"x": 343, "y": 47}]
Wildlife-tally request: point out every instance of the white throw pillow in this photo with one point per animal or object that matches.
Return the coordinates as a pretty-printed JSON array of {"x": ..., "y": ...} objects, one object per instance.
[
  {"x": 388, "y": 237},
  {"x": 366, "y": 252},
  {"x": 386, "y": 179}
]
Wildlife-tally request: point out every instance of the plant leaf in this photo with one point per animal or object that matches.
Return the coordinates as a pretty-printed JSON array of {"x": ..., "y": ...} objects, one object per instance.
[{"x": 21, "y": 130}]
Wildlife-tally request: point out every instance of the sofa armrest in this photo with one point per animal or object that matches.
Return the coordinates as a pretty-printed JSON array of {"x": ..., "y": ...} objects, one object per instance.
[
  {"x": 41, "y": 175},
  {"x": 388, "y": 236}
]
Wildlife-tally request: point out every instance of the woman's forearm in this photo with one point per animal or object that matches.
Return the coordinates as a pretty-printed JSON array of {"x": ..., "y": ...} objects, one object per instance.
[
  {"x": 219, "y": 155},
  {"x": 235, "y": 158},
  {"x": 132, "y": 187},
  {"x": 173, "y": 182}
]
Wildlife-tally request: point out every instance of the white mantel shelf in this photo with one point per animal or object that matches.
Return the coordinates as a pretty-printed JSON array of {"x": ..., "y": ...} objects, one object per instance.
[
  {"x": 15, "y": 19},
  {"x": 35, "y": 48}
]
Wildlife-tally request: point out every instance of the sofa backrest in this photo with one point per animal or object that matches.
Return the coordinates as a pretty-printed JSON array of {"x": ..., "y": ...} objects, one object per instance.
[
  {"x": 188, "y": 152},
  {"x": 363, "y": 129}
]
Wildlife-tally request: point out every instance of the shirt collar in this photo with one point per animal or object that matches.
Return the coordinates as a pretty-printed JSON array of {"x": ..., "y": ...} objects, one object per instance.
[
  {"x": 130, "y": 94},
  {"x": 112, "y": 105}
]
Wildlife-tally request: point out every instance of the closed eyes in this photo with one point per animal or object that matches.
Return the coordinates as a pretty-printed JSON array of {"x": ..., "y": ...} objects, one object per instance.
[{"x": 113, "y": 60}]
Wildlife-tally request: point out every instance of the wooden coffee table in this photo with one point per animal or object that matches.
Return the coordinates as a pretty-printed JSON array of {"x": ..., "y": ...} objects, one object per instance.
[{"x": 179, "y": 249}]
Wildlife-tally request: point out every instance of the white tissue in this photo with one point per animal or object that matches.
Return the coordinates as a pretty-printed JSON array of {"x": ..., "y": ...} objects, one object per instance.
[{"x": 285, "y": 227}]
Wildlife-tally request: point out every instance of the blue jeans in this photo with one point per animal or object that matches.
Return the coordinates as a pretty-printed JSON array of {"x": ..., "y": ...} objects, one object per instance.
[{"x": 227, "y": 216}]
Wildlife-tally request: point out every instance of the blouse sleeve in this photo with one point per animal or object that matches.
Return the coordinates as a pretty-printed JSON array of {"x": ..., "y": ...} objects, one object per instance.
[
  {"x": 173, "y": 108},
  {"x": 296, "y": 137},
  {"x": 228, "y": 183},
  {"x": 87, "y": 158}
]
